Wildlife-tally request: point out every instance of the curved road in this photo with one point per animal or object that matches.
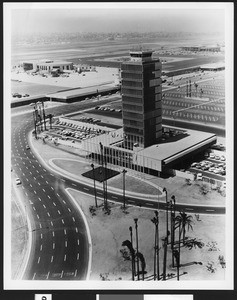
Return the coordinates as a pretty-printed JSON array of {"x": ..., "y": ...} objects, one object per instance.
[{"x": 60, "y": 246}]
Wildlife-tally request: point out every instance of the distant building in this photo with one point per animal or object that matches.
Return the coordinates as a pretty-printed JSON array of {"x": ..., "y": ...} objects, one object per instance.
[
  {"x": 202, "y": 48},
  {"x": 46, "y": 66},
  {"x": 141, "y": 99}
]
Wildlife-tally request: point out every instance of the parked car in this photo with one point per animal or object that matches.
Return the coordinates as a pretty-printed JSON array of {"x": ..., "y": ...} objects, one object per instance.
[
  {"x": 18, "y": 181},
  {"x": 194, "y": 164},
  {"x": 199, "y": 176},
  {"x": 27, "y": 147}
]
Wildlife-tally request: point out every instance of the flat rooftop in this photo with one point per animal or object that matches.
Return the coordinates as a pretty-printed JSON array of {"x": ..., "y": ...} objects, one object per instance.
[
  {"x": 73, "y": 93},
  {"x": 177, "y": 146}
]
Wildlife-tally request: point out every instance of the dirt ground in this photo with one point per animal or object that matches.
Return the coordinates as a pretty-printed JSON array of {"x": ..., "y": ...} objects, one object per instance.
[{"x": 108, "y": 232}]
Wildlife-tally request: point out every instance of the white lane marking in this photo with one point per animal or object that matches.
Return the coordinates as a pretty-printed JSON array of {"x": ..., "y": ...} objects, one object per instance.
[
  {"x": 62, "y": 274},
  {"x": 43, "y": 190},
  {"x": 34, "y": 178},
  {"x": 38, "y": 260},
  {"x": 86, "y": 189},
  {"x": 41, "y": 246},
  {"x": 114, "y": 197},
  {"x": 48, "y": 275},
  {"x": 37, "y": 171},
  {"x": 99, "y": 193},
  {"x": 48, "y": 214},
  {"x": 40, "y": 225},
  {"x": 63, "y": 179},
  {"x": 41, "y": 176},
  {"x": 34, "y": 276},
  {"x": 41, "y": 236},
  {"x": 189, "y": 208},
  {"x": 78, "y": 255},
  {"x": 62, "y": 221},
  {"x": 30, "y": 185},
  {"x": 52, "y": 188},
  {"x": 39, "y": 183},
  {"x": 65, "y": 231},
  {"x": 44, "y": 170},
  {"x": 33, "y": 208},
  {"x": 51, "y": 259},
  {"x": 75, "y": 273},
  {"x": 39, "y": 198},
  {"x": 78, "y": 242},
  {"x": 58, "y": 195},
  {"x": 23, "y": 187},
  {"x": 53, "y": 233},
  {"x": 33, "y": 166},
  {"x": 65, "y": 244},
  {"x": 54, "y": 203},
  {"x": 64, "y": 202},
  {"x": 73, "y": 219},
  {"x": 210, "y": 210},
  {"x": 74, "y": 184},
  {"x": 69, "y": 209},
  {"x": 46, "y": 181},
  {"x": 51, "y": 222},
  {"x": 51, "y": 174},
  {"x": 76, "y": 229},
  {"x": 38, "y": 216},
  {"x": 48, "y": 196},
  {"x": 53, "y": 245},
  {"x": 24, "y": 174},
  {"x": 44, "y": 206},
  {"x": 149, "y": 204},
  {"x": 34, "y": 191},
  {"x": 26, "y": 193},
  {"x": 65, "y": 257},
  {"x": 59, "y": 212},
  {"x": 27, "y": 179}
]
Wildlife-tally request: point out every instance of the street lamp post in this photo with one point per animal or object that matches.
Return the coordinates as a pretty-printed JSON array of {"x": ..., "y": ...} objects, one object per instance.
[
  {"x": 172, "y": 226},
  {"x": 136, "y": 226},
  {"x": 133, "y": 262},
  {"x": 44, "y": 115},
  {"x": 167, "y": 216},
  {"x": 158, "y": 246},
  {"x": 124, "y": 172},
  {"x": 93, "y": 167},
  {"x": 34, "y": 119}
]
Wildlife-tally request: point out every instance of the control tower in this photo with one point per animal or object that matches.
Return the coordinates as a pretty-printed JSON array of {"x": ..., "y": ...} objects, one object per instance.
[{"x": 141, "y": 99}]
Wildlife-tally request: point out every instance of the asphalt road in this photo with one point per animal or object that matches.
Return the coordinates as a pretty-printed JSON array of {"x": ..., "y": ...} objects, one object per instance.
[{"x": 60, "y": 248}]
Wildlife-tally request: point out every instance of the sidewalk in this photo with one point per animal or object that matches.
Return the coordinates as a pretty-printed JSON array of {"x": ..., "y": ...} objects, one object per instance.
[{"x": 63, "y": 160}]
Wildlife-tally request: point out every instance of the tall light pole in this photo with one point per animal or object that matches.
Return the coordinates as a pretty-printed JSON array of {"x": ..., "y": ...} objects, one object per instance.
[
  {"x": 44, "y": 115},
  {"x": 133, "y": 259},
  {"x": 135, "y": 220},
  {"x": 93, "y": 167},
  {"x": 172, "y": 226},
  {"x": 167, "y": 216},
  {"x": 124, "y": 172},
  {"x": 34, "y": 118},
  {"x": 158, "y": 245}
]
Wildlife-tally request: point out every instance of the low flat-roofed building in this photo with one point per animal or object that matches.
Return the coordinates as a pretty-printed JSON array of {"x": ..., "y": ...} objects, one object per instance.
[
  {"x": 213, "y": 67},
  {"x": 157, "y": 159},
  {"x": 78, "y": 94},
  {"x": 49, "y": 65}
]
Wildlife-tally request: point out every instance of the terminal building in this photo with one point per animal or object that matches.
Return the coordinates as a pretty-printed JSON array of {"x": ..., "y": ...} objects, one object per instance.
[
  {"x": 47, "y": 66},
  {"x": 143, "y": 144}
]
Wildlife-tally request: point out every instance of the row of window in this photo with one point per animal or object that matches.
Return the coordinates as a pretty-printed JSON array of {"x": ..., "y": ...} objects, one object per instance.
[{"x": 132, "y": 107}]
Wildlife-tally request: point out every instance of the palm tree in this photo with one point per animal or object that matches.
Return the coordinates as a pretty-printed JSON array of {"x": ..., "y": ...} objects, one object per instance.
[
  {"x": 184, "y": 220},
  {"x": 143, "y": 263},
  {"x": 128, "y": 244}
]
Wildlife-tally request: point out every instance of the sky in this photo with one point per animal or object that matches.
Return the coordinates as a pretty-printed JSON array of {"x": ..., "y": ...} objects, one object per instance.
[{"x": 120, "y": 19}]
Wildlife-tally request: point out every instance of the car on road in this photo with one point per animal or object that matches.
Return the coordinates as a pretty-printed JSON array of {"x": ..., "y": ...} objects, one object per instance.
[
  {"x": 18, "y": 181},
  {"x": 212, "y": 155},
  {"x": 27, "y": 147},
  {"x": 199, "y": 176}
]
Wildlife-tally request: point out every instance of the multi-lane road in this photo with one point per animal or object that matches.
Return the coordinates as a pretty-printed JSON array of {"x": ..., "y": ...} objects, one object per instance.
[{"x": 60, "y": 242}]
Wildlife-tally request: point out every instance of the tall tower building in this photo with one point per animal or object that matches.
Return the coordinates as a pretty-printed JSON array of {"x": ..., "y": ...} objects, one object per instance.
[{"x": 141, "y": 99}]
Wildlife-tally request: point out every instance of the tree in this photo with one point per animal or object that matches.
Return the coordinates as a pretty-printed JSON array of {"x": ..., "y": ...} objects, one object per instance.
[
  {"x": 184, "y": 220},
  {"x": 128, "y": 244}
]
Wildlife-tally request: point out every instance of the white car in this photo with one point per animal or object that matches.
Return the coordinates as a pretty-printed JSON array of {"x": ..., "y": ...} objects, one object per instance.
[
  {"x": 18, "y": 181},
  {"x": 199, "y": 176}
]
